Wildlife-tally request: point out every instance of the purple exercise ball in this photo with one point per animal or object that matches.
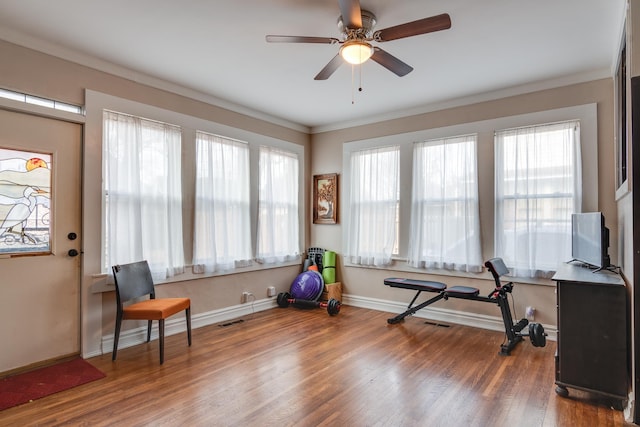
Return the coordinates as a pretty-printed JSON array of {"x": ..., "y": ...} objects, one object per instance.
[{"x": 308, "y": 286}]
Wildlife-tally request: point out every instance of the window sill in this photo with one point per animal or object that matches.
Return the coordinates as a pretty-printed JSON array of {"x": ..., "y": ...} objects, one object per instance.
[
  {"x": 400, "y": 265},
  {"x": 103, "y": 282}
]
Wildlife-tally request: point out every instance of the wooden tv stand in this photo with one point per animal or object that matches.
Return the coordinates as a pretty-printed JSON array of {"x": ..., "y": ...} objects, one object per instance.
[{"x": 593, "y": 324}]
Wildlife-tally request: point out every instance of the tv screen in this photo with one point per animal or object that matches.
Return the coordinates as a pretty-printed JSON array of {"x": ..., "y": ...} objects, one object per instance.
[{"x": 590, "y": 239}]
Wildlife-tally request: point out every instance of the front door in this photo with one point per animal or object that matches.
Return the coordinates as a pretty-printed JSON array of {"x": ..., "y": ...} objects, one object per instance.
[{"x": 40, "y": 279}]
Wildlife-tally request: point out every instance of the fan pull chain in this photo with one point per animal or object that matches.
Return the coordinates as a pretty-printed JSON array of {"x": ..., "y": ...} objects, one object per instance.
[
  {"x": 353, "y": 81},
  {"x": 353, "y": 93}
]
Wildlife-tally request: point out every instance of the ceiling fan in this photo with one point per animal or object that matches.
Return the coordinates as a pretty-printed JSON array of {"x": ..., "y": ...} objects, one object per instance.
[{"x": 356, "y": 26}]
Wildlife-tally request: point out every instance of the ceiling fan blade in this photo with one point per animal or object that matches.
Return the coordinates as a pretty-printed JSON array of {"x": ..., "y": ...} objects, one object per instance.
[
  {"x": 301, "y": 39},
  {"x": 351, "y": 13},
  {"x": 390, "y": 62},
  {"x": 421, "y": 26},
  {"x": 329, "y": 69}
]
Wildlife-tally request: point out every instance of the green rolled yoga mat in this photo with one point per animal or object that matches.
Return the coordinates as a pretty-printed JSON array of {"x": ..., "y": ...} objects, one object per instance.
[{"x": 329, "y": 267}]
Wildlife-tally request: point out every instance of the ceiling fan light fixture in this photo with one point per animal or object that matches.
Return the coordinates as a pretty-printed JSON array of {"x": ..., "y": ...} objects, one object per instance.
[{"x": 356, "y": 51}]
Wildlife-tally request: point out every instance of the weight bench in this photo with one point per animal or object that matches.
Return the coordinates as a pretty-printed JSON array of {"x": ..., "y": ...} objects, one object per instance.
[{"x": 498, "y": 296}]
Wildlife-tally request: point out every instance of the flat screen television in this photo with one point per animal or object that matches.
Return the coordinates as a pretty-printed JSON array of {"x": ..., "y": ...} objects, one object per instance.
[{"x": 590, "y": 240}]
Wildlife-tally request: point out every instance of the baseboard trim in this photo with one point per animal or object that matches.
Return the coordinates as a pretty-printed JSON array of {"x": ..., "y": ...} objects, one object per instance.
[
  {"x": 178, "y": 325},
  {"x": 493, "y": 323}
]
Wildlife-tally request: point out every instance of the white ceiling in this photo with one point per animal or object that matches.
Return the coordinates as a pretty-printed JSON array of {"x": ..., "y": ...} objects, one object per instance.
[{"x": 218, "y": 48}]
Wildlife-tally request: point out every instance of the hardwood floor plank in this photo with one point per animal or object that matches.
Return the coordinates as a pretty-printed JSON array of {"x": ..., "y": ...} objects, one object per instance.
[{"x": 290, "y": 367}]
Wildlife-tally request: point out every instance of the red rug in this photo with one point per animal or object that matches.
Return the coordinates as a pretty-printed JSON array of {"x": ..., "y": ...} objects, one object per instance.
[{"x": 42, "y": 382}]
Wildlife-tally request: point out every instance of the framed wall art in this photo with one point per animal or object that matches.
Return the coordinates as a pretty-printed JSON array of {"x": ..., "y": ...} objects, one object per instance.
[{"x": 325, "y": 199}]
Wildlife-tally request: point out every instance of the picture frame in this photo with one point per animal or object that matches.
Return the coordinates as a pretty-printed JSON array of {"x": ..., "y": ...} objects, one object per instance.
[{"x": 325, "y": 199}]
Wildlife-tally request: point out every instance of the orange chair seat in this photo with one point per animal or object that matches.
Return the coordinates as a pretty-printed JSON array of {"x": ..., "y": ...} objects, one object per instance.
[{"x": 155, "y": 309}]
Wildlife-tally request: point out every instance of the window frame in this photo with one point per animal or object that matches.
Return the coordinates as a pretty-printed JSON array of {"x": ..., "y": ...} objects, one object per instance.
[
  {"x": 223, "y": 261},
  {"x": 523, "y": 140},
  {"x": 170, "y": 202},
  {"x": 446, "y": 144},
  {"x": 97, "y": 102},
  {"x": 586, "y": 113}
]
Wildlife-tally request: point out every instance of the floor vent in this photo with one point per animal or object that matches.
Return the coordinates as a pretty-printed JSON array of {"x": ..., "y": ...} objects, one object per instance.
[
  {"x": 442, "y": 325},
  {"x": 233, "y": 322}
]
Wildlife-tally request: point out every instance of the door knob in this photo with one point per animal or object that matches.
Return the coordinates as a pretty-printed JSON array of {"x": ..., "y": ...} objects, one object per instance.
[{"x": 72, "y": 252}]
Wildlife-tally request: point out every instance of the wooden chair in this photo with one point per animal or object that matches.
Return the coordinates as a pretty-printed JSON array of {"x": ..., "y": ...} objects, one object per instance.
[{"x": 134, "y": 281}]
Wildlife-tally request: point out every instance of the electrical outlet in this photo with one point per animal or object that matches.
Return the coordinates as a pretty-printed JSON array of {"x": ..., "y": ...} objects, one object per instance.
[
  {"x": 271, "y": 291},
  {"x": 245, "y": 296}
]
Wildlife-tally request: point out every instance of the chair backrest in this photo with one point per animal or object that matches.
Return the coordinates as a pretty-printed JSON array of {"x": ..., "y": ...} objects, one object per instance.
[
  {"x": 497, "y": 268},
  {"x": 132, "y": 281}
]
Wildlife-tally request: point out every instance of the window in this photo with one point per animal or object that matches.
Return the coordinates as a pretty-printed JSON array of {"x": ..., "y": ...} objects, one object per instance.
[
  {"x": 25, "y": 201},
  {"x": 278, "y": 219},
  {"x": 428, "y": 179},
  {"x": 621, "y": 120},
  {"x": 42, "y": 102},
  {"x": 445, "y": 224},
  {"x": 374, "y": 195},
  {"x": 538, "y": 183},
  {"x": 143, "y": 199},
  {"x": 222, "y": 225}
]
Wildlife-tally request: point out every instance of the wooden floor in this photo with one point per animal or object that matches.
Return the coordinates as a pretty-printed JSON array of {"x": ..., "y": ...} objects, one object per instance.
[{"x": 291, "y": 367}]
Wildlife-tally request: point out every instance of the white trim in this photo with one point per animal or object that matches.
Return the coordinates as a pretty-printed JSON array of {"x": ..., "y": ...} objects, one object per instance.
[
  {"x": 586, "y": 114},
  {"x": 89, "y": 61},
  {"x": 38, "y": 110},
  {"x": 584, "y": 77},
  {"x": 492, "y": 323},
  {"x": 95, "y": 103},
  {"x": 177, "y": 324}
]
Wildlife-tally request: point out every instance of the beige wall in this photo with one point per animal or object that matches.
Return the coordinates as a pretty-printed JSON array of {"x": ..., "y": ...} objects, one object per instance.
[
  {"x": 43, "y": 75},
  {"x": 32, "y": 72},
  {"x": 327, "y": 158}
]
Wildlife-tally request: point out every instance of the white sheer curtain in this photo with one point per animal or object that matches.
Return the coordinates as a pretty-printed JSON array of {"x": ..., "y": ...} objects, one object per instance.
[
  {"x": 373, "y": 206},
  {"x": 445, "y": 225},
  {"x": 278, "y": 207},
  {"x": 538, "y": 187},
  {"x": 143, "y": 193},
  {"x": 222, "y": 226}
]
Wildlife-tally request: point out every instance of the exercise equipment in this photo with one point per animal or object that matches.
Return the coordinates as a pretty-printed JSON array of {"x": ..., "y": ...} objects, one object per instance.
[
  {"x": 308, "y": 285},
  {"x": 316, "y": 254},
  {"x": 285, "y": 299},
  {"x": 514, "y": 332},
  {"x": 329, "y": 267}
]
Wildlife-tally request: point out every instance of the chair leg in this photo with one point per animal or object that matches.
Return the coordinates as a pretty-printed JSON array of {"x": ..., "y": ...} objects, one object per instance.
[
  {"x": 188, "y": 312},
  {"x": 161, "y": 339},
  {"x": 149, "y": 330},
  {"x": 116, "y": 337}
]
